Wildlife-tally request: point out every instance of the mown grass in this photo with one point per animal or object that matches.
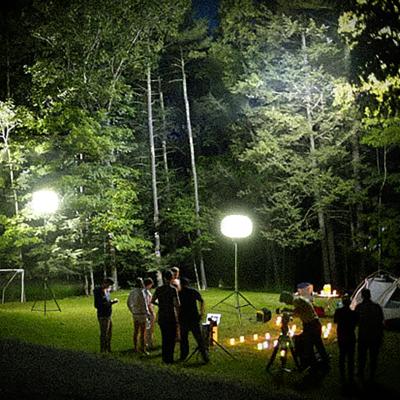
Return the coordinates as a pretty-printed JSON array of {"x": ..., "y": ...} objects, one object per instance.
[{"x": 76, "y": 328}]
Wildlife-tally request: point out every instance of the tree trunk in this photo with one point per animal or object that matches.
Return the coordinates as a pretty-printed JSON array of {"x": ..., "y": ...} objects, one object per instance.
[
  {"x": 332, "y": 254},
  {"x": 321, "y": 216},
  {"x": 164, "y": 139},
  {"x": 193, "y": 162},
  {"x": 11, "y": 175},
  {"x": 380, "y": 228},
  {"x": 156, "y": 213},
  {"x": 91, "y": 274},
  {"x": 86, "y": 283},
  {"x": 357, "y": 228}
]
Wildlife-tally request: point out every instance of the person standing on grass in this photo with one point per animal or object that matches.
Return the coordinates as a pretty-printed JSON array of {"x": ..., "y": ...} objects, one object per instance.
[
  {"x": 167, "y": 299},
  {"x": 189, "y": 319},
  {"x": 103, "y": 304},
  {"x": 148, "y": 284},
  {"x": 346, "y": 320},
  {"x": 370, "y": 333},
  {"x": 312, "y": 329},
  {"x": 138, "y": 307}
]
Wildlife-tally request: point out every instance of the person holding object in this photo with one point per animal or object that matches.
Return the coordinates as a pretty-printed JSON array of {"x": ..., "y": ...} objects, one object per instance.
[
  {"x": 312, "y": 329},
  {"x": 167, "y": 299},
  {"x": 370, "y": 333},
  {"x": 346, "y": 320},
  {"x": 189, "y": 320},
  {"x": 138, "y": 307},
  {"x": 103, "y": 304}
]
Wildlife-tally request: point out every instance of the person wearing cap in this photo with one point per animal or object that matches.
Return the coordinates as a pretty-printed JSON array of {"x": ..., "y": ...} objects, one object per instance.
[
  {"x": 189, "y": 319},
  {"x": 103, "y": 304},
  {"x": 346, "y": 320},
  {"x": 312, "y": 328}
]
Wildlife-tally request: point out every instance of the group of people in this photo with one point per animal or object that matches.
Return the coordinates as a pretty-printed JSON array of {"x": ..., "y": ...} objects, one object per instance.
[
  {"x": 178, "y": 315},
  {"x": 367, "y": 315},
  {"x": 369, "y": 318}
]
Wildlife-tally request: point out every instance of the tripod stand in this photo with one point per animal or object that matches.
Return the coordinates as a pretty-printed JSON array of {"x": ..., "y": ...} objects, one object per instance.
[
  {"x": 209, "y": 340},
  {"x": 236, "y": 293},
  {"x": 285, "y": 344},
  {"x": 46, "y": 289}
]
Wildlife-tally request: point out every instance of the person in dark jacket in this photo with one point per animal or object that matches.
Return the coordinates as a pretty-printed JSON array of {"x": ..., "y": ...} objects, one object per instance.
[
  {"x": 346, "y": 320},
  {"x": 189, "y": 319},
  {"x": 370, "y": 333},
  {"x": 103, "y": 304},
  {"x": 167, "y": 299}
]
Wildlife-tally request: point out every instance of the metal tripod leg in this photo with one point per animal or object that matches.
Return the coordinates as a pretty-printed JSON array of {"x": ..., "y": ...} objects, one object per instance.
[
  {"x": 47, "y": 288},
  {"x": 224, "y": 299},
  {"x": 272, "y": 359},
  {"x": 223, "y": 348}
]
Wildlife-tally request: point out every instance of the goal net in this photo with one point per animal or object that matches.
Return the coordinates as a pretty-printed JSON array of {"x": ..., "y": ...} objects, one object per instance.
[{"x": 7, "y": 276}]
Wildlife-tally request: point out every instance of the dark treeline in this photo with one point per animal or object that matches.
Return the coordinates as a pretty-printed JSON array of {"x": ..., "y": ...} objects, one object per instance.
[{"x": 152, "y": 124}]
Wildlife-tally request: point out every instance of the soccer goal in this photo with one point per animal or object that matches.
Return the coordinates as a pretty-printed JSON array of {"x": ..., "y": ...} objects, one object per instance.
[{"x": 13, "y": 273}]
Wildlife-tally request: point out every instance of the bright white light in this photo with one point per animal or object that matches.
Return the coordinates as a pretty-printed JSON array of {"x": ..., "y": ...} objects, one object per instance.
[
  {"x": 236, "y": 226},
  {"x": 45, "y": 202}
]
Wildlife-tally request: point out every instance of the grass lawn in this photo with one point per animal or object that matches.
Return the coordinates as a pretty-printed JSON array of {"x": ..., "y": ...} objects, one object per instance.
[{"x": 76, "y": 328}]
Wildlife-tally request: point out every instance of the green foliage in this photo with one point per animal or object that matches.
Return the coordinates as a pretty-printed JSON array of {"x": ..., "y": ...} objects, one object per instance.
[{"x": 294, "y": 137}]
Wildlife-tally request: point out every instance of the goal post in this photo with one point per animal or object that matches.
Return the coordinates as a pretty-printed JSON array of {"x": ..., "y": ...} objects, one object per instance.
[{"x": 14, "y": 273}]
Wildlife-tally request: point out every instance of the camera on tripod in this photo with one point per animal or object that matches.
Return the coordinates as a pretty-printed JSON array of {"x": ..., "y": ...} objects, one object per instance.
[
  {"x": 284, "y": 342},
  {"x": 286, "y": 317},
  {"x": 209, "y": 329}
]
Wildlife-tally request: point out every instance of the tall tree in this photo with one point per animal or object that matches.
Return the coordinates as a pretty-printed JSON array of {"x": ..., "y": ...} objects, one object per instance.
[{"x": 293, "y": 141}]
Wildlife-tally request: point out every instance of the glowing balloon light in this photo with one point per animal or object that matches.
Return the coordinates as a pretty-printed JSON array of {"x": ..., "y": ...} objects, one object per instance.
[
  {"x": 45, "y": 202},
  {"x": 236, "y": 226}
]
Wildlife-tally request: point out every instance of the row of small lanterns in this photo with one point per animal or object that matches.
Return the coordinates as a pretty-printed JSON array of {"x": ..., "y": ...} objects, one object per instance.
[{"x": 265, "y": 344}]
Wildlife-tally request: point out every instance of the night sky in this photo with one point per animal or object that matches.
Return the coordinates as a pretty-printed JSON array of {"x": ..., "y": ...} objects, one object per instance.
[{"x": 207, "y": 9}]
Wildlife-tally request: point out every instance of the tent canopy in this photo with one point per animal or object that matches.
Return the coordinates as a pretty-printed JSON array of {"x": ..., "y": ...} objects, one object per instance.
[{"x": 385, "y": 290}]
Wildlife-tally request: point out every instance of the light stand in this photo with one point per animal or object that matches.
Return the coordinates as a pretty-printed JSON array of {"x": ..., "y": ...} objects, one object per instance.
[
  {"x": 235, "y": 227},
  {"x": 45, "y": 202}
]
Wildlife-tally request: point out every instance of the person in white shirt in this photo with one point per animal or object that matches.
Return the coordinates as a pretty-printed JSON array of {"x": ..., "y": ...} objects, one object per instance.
[{"x": 140, "y": 312}]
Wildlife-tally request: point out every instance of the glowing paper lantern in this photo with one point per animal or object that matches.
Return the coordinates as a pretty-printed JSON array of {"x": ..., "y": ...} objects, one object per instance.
[
  {"x": 232, "y": 341},
  {"x": 241, "y": 339}
]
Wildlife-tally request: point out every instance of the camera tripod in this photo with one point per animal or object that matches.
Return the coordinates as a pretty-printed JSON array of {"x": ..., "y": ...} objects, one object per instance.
[
  {"x": 209, "y": 341},
  {"x": 46, "y": 288},
  {"x": 284, "y": 345}
]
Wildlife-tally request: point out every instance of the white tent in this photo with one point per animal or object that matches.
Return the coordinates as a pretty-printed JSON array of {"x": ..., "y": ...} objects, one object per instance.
[{"x": 385, "y": 290}]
